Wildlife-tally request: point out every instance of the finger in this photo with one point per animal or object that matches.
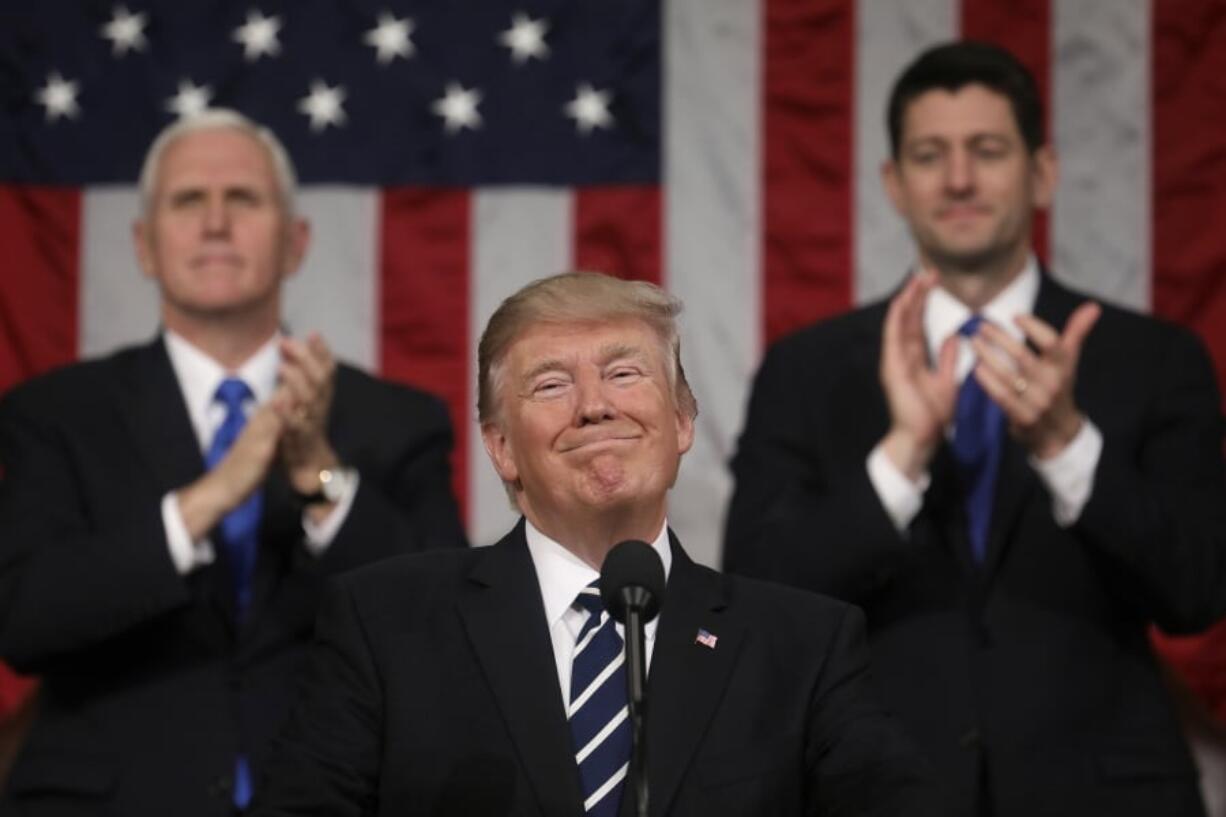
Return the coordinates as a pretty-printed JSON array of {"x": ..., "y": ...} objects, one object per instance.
[
  {"x": 319, "y": 347},
  {"x": 299, "y": 354},
  {"x": 1023, "y": 360},
  {"x": 947, "y": 361},
  {"x": 940, "y": 387},
  {"x": 1079, "y": 326},
  {"x": 1003, "y": 394},
  {"x": 300, "y": 389},
  {"x": 1039, "y": 332},
  {"x": 996, "y": 358},
  {"x": 892, "y": 330}
]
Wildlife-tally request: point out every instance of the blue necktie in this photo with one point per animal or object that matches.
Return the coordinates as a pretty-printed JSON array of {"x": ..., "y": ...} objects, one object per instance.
[
  {"x": 599, "y": 724},
  {"x": 979, "y": 426},
  {"x": 238, "y": 535}
]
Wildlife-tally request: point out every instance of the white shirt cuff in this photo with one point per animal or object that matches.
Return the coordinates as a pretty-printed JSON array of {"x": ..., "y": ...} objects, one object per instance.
[
  {"x": 184, "y": 553},
  {"x": 1069, "y": 476},
  {"x": 320, "y": 535},
  {"x": 901, "y": 498}
]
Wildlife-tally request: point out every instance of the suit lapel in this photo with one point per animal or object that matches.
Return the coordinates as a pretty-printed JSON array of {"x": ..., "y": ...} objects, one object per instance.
[
  {"x": 157, "y": 417},
  {"x": 505, "y": 620},
  {"x": 687, "y": 679}
]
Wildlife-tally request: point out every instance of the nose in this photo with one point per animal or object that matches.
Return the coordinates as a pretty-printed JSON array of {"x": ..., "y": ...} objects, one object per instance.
[
  {"x": 593, "y": 404},
  {"x": 216, "y": 216},
  {"x": 960, "y": 172}
]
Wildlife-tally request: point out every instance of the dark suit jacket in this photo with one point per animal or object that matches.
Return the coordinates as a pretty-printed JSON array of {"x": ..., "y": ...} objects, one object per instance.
[
  {"x": 145, "y": 674},
  {"x": 433, "y": 690},
  {"x": 1033, "y": 672}
]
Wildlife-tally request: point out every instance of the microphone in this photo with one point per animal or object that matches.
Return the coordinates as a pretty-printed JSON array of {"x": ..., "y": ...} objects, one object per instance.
[{"x": 632, "y": 590}]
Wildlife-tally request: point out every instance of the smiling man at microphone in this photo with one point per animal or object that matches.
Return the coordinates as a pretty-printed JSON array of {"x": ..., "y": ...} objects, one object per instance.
[{"x": 493, "y": 681}]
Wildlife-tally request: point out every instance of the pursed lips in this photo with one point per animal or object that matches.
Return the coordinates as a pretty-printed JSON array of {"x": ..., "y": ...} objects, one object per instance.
[
  {"x": 595, "y": 441},
  {"x": 208, "y": 259}
]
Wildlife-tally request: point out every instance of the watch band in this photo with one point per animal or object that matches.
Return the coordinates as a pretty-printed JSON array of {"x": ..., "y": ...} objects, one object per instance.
[{"x": 333, "y": 483}]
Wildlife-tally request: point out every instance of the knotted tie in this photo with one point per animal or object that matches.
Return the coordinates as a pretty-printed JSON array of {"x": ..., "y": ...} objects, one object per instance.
[
  {"x": 237, "y": 535},
  {"x": 978, "y": 434},
  {"x": 598, "y": 713}
]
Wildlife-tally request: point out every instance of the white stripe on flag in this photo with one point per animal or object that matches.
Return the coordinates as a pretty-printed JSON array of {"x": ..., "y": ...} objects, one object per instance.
[
  {"x": 712, "y": 250},
  {"x": 518, "y": 235},
  {"x": 889, "y": 34},
  {"x": 336, "y": 291},
  {"x": 1101, "y": 221},
  {"x": 119, "y": 305}
]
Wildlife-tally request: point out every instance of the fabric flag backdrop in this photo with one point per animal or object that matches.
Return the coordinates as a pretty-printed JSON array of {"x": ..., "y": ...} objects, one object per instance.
[{"x": 728, "y": 149}]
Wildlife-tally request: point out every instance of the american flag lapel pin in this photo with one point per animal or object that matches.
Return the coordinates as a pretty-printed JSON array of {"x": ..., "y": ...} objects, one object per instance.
[{"x": 706, "y": 639}]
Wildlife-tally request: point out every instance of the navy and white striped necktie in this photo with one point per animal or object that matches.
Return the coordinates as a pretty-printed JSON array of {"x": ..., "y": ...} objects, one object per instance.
[{"x": 599, "y": 724}]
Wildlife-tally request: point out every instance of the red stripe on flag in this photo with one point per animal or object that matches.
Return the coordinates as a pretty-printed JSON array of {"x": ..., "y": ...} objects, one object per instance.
[
  {"x": 617, "y": 230},
  {"x": 423, "y": 304},
  {"x": 808, "y": 108},
  {"x": 1189, "y": 256},
  {"x": 1024, "y": 28},
  {"x": 1189, "y": 169},
  {"x": 38, "y": 295}
]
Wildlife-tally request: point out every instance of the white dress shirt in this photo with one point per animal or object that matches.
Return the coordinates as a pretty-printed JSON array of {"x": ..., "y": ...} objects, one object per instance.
[
  {"x": 562, "y": 575},
  {"x": 1068, "y": 476},
  {"x": 199, "y": 376}
]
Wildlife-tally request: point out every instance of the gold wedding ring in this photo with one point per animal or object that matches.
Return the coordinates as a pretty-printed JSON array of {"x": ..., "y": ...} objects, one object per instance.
[{"x": 1020, "y": 384}]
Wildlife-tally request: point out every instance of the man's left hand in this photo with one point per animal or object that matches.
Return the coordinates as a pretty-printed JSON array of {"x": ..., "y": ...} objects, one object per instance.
[
  {"x": 1035, "y": 391},
  {"x": 308, "y": 373}
]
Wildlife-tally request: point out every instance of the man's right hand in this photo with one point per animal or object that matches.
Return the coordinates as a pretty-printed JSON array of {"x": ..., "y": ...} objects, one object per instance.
[
  {"x": 242, "y": 470},
  {"x": 921, "y": 399}
]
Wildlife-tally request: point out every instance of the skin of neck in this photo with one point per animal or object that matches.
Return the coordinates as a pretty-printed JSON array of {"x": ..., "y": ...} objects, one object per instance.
[
  {"x": 978, "y": 283},
  {"x": 591, "y": 534},
  {"x": 230, "y": 339}
]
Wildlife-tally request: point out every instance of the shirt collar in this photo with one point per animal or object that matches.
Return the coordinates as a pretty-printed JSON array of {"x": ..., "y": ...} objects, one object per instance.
[
  {"x": 944, "y": 314},
  {"x": 199, "y": 375},
  {"x": 562, "y": 574}
]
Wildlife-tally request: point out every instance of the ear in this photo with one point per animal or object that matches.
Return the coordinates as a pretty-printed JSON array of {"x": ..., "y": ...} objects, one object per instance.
[
  {"x": 891, "y": 180},
  {"x": 498, "y": 447},
  {"x": 297, "y": 241},
  {"x": 142, "y": 241},
  {"x": 1045, "y": 175},
  {"x": 685, "y": 430}
]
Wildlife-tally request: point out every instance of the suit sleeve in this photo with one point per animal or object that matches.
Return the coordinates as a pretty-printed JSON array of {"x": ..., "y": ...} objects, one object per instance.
[
  {"x": 65, "y": 584},
  {"x": 858, "y": 760},
  {"x": 796, "y": 516},
  {"x": 1157, "y": 510},
  {"x": 404, "y": 502},
  {"x": 326, "y": 761}
]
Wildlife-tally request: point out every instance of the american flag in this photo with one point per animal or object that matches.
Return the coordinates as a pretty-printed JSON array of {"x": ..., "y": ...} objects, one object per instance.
[
  {"x": 706, "y": 639},
  {"x": 452, "y": 151}
]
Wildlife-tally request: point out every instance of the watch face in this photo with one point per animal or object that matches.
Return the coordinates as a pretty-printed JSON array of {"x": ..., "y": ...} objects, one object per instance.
[{"x": 332, "y": 483}]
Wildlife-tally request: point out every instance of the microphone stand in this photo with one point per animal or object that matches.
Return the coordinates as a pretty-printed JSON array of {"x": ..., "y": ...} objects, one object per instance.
[{"x": 636, "y": 671}]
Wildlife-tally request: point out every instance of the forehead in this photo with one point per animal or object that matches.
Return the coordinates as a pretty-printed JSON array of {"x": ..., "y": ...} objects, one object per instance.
[
  {"x": 224, "y": 155},
  {"x": 971, "y": 110},
  {"x": 576, "y": 343}
]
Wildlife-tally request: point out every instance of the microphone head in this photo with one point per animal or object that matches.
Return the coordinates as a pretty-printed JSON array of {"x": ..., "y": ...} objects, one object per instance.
[{"x": 632, "y": 575}]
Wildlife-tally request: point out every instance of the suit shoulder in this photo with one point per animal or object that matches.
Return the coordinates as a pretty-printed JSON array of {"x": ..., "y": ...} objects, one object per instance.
[
  {"x": 374, "y": 393},
  {"x": 71, "y": 386},
  {"x": 395, "y": 586},
  {"x": 774, "y": 599},
  {"x": 831, "y": 337}
]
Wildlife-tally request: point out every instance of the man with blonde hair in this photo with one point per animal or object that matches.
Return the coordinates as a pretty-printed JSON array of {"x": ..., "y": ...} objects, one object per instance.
[
  {"x": 491, "y": 681},
  {"x": 169, "y": 512}
]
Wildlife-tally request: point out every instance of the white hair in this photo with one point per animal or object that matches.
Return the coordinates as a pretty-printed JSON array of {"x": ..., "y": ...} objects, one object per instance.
[{"x": 218, "y": 119}]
